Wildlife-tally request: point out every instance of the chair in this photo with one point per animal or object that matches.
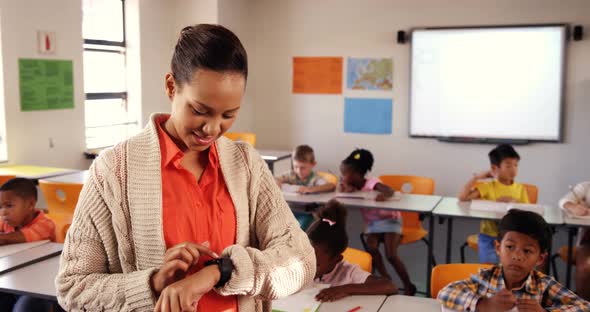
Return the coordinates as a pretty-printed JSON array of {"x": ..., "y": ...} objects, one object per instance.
[
  {"x": 247, "y": 137},
  {"x": 62, "y": 199},
  {"x": 6, "y": 178},
  {"x": 412, "y": 229},
  {"x": 472, "y": 240},
  {"x": 562, "y": 254},
  {"x": 329, "y": 177},
  {"x": 359, "y": 257},
  {"x": 444, "y": 274}
]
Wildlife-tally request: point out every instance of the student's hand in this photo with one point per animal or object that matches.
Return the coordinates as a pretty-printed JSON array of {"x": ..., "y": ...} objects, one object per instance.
[
  {"x": 332, "y": 294},
  {"x": 528, "y": 305},
  {"x": 380, "y": 197},
  {"x": 185, "y": 294},
  {"x": 506, "y": 199},
  {"x": 504, "y": 300},
  {"x": 304, "y": 190},
  {"x": 484, "y": 175},
  {"x": 177, "y": 261},
  {"x": 579, "y": 210}
]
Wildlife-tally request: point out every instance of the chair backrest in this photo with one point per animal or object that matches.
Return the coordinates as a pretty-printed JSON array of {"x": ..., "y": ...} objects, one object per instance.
[
  {"x": 247, "y": 137},
  {"x": 419, "y": 185},
  {"x": 444, "y": 274},
  {"x": 359, "y": 257},
  {"x": 329, "y": 177},
  {"x": 532, "y": 192},
  {"x": 6, "y": 178},
  {"x": 60, "y": 197}
]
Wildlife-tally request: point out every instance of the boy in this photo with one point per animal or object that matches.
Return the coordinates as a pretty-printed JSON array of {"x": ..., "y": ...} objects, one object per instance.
[
  {"x": 303, "y": 174},
  {"x": 21, "y": 221},
  {"x": 504, "y": 168},
  {"x": 307, "y": 179},
  {"x": 524, "y": 240}
]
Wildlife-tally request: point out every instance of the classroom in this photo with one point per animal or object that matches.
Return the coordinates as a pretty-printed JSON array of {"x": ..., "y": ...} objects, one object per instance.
[{"x": 118, "y": 62}]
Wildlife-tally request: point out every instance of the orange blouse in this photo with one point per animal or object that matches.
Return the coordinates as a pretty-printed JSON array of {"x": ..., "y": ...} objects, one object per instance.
[{"x": 197, "y": 211}]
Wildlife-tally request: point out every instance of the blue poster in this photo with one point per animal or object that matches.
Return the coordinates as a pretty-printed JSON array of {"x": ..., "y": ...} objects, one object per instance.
[{"x": 368, "y": 115}]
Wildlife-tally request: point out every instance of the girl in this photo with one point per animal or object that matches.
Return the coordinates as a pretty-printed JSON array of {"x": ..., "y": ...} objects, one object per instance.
[
  {"x": 577, "y": 202},
  {"x": 381, "y": 224},
  {"x": 329, "y": 240}
]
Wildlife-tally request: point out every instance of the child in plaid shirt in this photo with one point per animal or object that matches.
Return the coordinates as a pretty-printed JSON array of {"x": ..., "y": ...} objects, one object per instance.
[{"x": 514, "y": 283}]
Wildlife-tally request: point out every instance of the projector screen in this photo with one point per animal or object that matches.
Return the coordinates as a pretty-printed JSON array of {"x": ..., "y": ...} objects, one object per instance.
[{"x": 490, "y": 83}]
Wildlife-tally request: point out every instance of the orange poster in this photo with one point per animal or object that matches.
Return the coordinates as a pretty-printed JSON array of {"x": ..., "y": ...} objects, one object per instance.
[{"x": 317, "y": 75}]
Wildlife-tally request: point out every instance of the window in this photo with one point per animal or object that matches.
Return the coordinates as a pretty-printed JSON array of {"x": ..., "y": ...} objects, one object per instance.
[{"x": 107, "y": 116}]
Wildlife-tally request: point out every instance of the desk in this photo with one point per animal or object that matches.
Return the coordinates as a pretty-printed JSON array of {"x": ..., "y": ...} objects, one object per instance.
[
  {"x": 36, "y": 280},
  {"x": 272, "y": 156},
  {"x": 29, "y": 256},
  {"x": 33, "y": 172},
  {"x": 79, "y": 177},
  {"x": 451, "y": 207},
  {"x": 572, "y": 224},
  {"x": 405, "y": 303},
  {"x": 367, "y": 304}
]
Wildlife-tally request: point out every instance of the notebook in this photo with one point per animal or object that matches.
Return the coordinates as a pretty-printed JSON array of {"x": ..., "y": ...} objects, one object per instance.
[
  {"x": 367, "y": 195},
  {"x": 302, "y": 301}
]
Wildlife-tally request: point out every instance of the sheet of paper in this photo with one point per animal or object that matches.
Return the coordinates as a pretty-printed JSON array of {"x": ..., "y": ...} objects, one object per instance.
[{"x": 303, "y": 301}]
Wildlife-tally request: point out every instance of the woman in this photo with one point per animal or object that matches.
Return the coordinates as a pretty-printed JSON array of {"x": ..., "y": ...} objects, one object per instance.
[{"x": 159, "y": 208}]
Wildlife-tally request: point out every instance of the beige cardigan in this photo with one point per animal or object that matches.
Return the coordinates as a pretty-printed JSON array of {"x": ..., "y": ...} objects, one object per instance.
[{"x": 116, "y": 241}]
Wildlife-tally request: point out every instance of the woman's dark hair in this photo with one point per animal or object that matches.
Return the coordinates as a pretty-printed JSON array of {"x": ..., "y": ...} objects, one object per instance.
[
  {"x": 206, "y": 46},
  {"x": 360, "y": 160},
  {"x": 329, "y": 231}
]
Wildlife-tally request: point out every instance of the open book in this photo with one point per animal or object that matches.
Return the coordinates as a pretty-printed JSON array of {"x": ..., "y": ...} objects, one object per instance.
[
  {"x": 291, "y": 189},
  {"x": 366, "y": 195},
  {"x": 302, "y": 301},
  {"x": 492, "y": 206}
]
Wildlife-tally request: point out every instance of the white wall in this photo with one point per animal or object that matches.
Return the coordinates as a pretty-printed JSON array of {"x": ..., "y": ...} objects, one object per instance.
[
  {"x": 278, "y": 30},
  {"x": 28, "y": 133},
  {"x": 160, "y": 23}
]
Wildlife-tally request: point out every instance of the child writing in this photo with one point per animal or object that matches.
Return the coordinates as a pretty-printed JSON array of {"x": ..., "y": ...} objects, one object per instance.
[
  {"x": 21, "y": 222},
  {"x": 514, "y": 283},
  {"x": 329, "y": 240},
  {"x": 303, "y": 173},
  {"x": 504, "y": 169},
  {"x": 381, "y": 224},
  {"x": 577, "y": 203},
  {"x": 307, "y": 179}
]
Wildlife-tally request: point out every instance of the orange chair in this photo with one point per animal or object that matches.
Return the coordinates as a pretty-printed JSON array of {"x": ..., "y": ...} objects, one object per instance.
[
  {"x": 412, "y": 229},
  {"x": 359, "y": 257},
  {"x": 472, "y": 240},
  {"x": 329, "y": 177},
  {"x": 62, "y": 199},
  {"x": 247, "y": 137},
  {"x": 444, "y": 274},
  {"x": 6, "y": 178}
]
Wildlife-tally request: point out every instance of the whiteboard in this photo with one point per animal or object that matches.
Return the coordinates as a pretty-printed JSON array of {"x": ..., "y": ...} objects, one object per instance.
[{"x": 488, "y": 83}]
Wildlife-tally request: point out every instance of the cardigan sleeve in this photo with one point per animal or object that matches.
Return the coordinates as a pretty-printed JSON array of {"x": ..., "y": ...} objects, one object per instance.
[
  {"x": 283, "y": 261},
  {"x": 89, "y": 277}
]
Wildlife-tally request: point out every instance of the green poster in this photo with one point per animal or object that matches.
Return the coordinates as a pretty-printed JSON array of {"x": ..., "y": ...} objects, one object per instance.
[{"x": 45, "y": 84}]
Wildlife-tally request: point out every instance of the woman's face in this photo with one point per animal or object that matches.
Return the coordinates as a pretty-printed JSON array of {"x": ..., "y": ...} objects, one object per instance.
[{"x": 204, "y": 108}]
